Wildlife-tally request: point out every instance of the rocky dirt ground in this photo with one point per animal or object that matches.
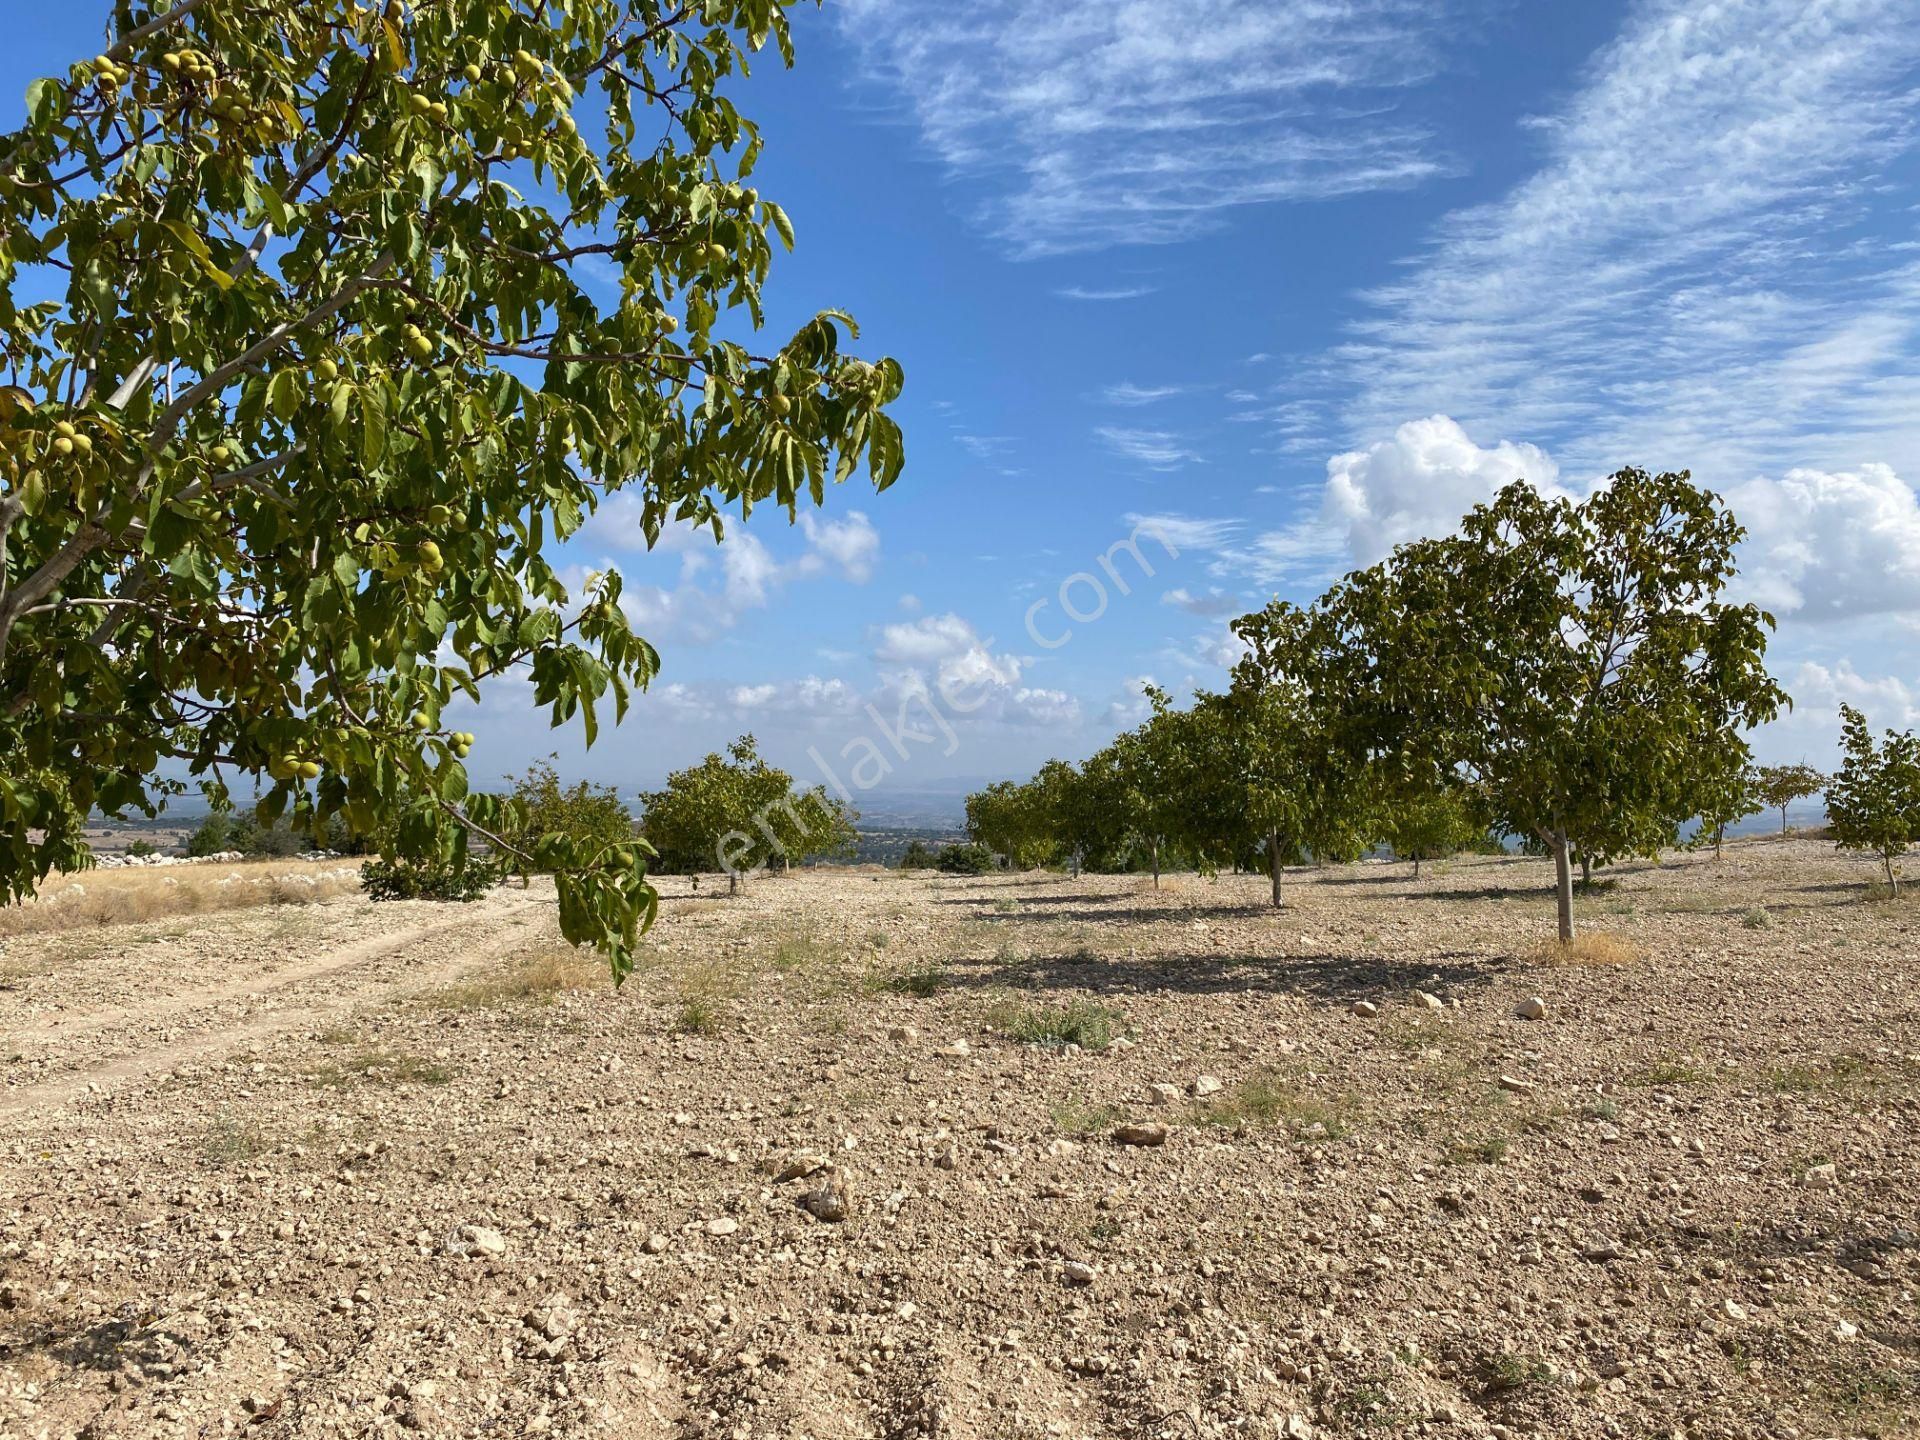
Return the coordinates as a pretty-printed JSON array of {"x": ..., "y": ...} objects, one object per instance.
[{"x": 848, "y": 1157}]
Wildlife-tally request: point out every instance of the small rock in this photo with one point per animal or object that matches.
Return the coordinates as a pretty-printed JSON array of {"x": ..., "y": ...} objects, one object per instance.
[
  {"x": 1517, "y": 1086},
  {"x": 798, "y": 1166},
  {"x": 479, "y": 1240},
  {"x": 948, "y": 1157},
  {"x": 1846, "y": 1330},
  {"x": 1734, "y": 1310},
  {"x": 1205, "y": 1085},
  {"x": 904, "y": 1034},
  {"x": 958, "y": 1050},
  {"x": 656, "y": 1244},
  {"x": 1296, "y": 1428},
  {"x": 1821, "y": 1177},
  {"x": 722, "y": 1225},
  {"x": 832, "y": 1201},
  {"x": 1429, "y": 999},
  {"x": 1164, "y": 1094},
  {"x": 1140, "y": 1134},
  {"x": 1531, "y": 1008},
  {"x": 1075, "y": 1272},
  {"x": 1366, "y": 1010}
]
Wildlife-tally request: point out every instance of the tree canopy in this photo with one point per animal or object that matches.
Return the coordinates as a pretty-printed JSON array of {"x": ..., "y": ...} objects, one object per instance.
[
  {"x": 736, "y": 813},
  {"x": 322, "y": 323},
  {"x": 1572, "y": 661},
  {"x": 1873, "y": 804},
  {"x": 1778, "y": 786}
]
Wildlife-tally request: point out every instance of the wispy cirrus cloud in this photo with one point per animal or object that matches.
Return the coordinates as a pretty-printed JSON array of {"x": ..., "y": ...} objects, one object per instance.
[
  {"x": 1711, "y": 266},
  {"x": 1126, "y": 292},
  {"x": 1156, "y": 449},
  {"x": 1133, "y": 396},
  {"x": 1103, "y": 122}
]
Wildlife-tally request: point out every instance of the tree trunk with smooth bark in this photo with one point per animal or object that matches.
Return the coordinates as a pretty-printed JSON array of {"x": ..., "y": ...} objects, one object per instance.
[{"x": 1563, "y": 882}]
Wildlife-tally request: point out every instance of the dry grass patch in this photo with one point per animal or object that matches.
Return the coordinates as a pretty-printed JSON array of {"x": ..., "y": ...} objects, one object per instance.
[
  {"x": 380, "y": 1065},
  {"x": 542, "y": 976},
  {"x": 126, "y": 897},
  {"x": 1594, "y": 948}
]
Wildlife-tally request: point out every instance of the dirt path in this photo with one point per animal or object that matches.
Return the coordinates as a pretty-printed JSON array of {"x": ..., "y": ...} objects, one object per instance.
[{"x": 196, "y": 1025}]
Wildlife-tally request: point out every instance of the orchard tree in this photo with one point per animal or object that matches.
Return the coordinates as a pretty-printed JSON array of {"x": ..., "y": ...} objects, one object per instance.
[
  {"x": 1728, "y": 793},
  {"x": 1573, "y": 661},
  {"x": 583, "y": 813},
  {"x": 810, "y": 824},
  {"x": 1430, "y": 823},
  {"x": 731, "y": 812},
  {"x": 1873, "y": 804},
  {"x": 322, "y": 323},
  {"x": 1778, "y": 786}
]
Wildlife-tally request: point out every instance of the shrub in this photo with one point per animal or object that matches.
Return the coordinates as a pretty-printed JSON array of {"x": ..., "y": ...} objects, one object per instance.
[
  {"x": 143, "y": 848},
  {"x": 917, "y": 857},
  {"x": 457, "y": 880},
  {"x": 967, "y": 860}
]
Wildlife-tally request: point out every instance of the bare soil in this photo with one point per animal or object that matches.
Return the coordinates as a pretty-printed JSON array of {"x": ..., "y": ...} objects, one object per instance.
[{"x": 346, "y": 1169}]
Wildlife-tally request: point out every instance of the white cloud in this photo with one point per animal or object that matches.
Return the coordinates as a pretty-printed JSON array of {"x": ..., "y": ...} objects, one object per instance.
[
  {"x": 809, "y": 696},
  {"x": 851, "y": 546},
  {"x": 1420, "y": 483},
  {"x": 750, "y": 575},
  {"x": 1820, "y": 690},
  {"x": 1098, "y": 122},
  {"x": 1184, "y": 532},
  {"x": 1825, "y": 546},
  {"x": 1133, "y": 396},
  {"x": 1691, "y": 277},
  {"x": 1157, "y": 449},
  {"x": 1213, "y": 601},
  {"x": 1080, "y": 292}
]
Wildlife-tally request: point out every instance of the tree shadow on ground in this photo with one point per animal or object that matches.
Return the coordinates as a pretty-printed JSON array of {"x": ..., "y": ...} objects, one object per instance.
[
  {"x": 1323, "y": 975},
  {"x": 104, "y": 1345}
]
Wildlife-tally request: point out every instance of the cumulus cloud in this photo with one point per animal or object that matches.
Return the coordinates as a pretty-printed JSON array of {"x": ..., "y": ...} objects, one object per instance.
[
  {"x": 946, "y": 652},
  {"x": 1820, "y": 690},
  {"x": 1831, "y": 546},
  {"x": 1100, "y": 122},
  {"x": 850, "y": 546},
  {"x": 748, "y": 574},
  {"x": 1420, "y": 482}
]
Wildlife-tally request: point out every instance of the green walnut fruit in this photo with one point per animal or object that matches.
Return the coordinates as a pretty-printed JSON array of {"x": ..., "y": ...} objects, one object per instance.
[
  {"x": 421, "y": 720},
  {"x": 471, "y": 73},
  {"x": 326, "y": 369},
  {"x": 62, "y": 445},
  {"x": 669, "y": 324},
  {"x": 309, "y": 770},
  {"x": 438, "y": 515},
  {"x": 221, "y": 454},
  {"x": 781, "y": 405},
  {"x": 429, "y": 554}
]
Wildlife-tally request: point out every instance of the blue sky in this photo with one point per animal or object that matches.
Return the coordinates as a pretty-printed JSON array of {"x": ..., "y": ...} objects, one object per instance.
[{"x": 1293, "y": 283}]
